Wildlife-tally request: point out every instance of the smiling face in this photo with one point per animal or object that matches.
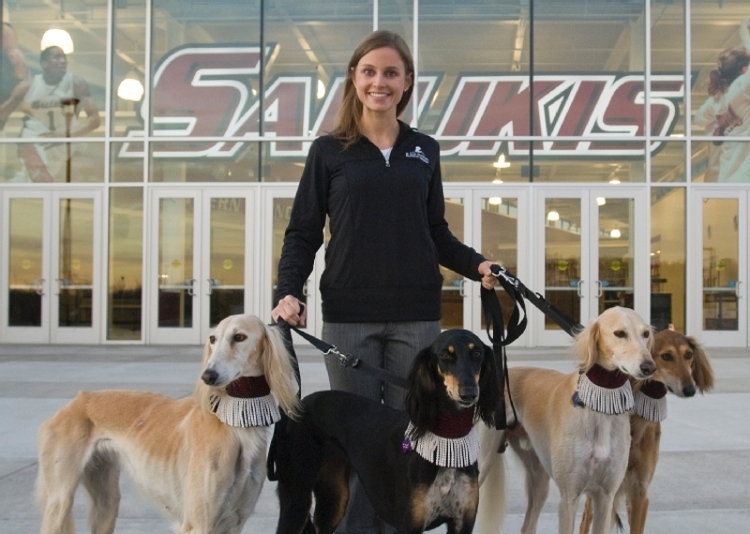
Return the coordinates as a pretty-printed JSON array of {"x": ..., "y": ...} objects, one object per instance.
[{"x": 380, "y": 79}]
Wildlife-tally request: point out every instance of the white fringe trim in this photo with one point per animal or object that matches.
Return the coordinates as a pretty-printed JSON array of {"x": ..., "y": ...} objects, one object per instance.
[
  {"x": 446, "y": 452},
  {"x": 651, "y": 409},
  {"x": 245, "y": 412},
  {"x": 605, "y": 400}
]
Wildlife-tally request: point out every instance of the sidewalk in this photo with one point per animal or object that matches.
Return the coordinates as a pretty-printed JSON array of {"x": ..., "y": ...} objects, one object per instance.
[{"x": 702, "y": 483}]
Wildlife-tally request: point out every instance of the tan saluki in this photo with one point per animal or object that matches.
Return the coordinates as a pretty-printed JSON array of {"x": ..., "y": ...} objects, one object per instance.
[
  {"x": 683, "y": 368},
  {"x": 201, "y": 459},
  {"x": 572, "y": 427}
]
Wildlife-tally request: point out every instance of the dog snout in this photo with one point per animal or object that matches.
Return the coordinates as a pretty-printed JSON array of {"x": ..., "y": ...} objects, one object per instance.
[
  {"x": 648, "y": 367},
  {"x": 689, "y": 390},
  {"x": 210, "y": 377},
  {"x": 469, "y": 395}
]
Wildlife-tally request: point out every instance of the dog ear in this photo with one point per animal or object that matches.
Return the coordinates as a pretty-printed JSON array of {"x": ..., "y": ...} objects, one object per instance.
[
  {"x": 587, "y": 345},
  {"x": 421, "y": 403},
  {"x": 279, "y": 367},
  {"x": 489, "y": 387},
  {"x": 703, "y": 373}
]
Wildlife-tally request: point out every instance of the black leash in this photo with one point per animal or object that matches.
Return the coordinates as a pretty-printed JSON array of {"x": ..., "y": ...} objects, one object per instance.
[{"x": 347, "y": 360}]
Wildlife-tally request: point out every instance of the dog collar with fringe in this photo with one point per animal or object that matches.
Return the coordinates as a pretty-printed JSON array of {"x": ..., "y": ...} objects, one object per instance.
[
  {"x": 247, "y": 402},
  {"x": 603, "y": 391},
  {"x": 651, "y": 401},
  {"x": 451, "y": 442}
]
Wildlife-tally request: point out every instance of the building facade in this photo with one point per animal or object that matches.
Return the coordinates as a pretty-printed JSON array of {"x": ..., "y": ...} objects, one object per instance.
[{"x": 598, "y": 149}]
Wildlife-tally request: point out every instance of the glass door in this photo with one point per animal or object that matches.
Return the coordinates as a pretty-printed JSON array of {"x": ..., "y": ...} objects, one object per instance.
[
  {"x": 276, "y": 208},
  {"x": 198, "y": 262},
  {"x": 718, "y": 267},
  {"x": 51, "y": 273},
  {"x": 594, "y": 255}
]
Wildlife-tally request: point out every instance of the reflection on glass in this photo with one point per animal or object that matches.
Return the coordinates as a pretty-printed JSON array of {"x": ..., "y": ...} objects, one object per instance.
[
  {"x": 616, "y": 242},
  {"x": 720, "y": 263},
  {"x": 75, "y": 280},
  {"x": 49, "y": 163},
  {"x": 500, "y": 240},
  {"x": 25, "y": 262},
  {"x": 125, "y": 263},
  {"x": 185, "y": 162},
  {"x": 282, "y": 211},
  {"x": 453, "y": 292},
  {"x": 227, "y": 271},
  {"x": 126, "y": 162},
  {"x": 176, "y": 282},
  {"x": 668, "y": 258},
  {"x": 562, "y": 257}
]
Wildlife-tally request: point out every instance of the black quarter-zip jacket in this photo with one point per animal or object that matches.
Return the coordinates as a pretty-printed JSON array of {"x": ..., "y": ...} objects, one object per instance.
[{"x": 388, "y": 231}]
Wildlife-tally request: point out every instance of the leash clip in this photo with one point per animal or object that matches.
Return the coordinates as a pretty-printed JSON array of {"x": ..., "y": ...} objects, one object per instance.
[
  {"x": 347, "y": 360},
  {"x": 502, "y": 272}
]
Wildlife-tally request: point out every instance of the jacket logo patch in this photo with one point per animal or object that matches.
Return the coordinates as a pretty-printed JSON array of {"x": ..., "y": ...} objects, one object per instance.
[{"x": 417, "y": 153}]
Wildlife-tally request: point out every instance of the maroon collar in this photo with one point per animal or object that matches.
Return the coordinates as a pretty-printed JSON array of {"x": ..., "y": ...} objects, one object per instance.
[
  {"x": 654, "y": 389},
  {"x": 453, "y": 424},
  {"x": 246, "y": 387},
  {"x": 606, "y": 379}
]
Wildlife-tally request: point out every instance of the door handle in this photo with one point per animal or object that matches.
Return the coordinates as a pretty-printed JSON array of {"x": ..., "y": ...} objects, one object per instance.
[
  {"x": 190, "y": 283},
  {"x": 599, "y": 290},
  {"x": 39, "y": 282},
  {"x": 578, "y": 288},
  {"x": 462, "y": 288},
  {"x": 737, "y": 288}
]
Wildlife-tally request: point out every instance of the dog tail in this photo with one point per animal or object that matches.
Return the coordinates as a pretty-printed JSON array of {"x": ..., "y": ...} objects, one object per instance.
[{"x": 491, "y": 512}]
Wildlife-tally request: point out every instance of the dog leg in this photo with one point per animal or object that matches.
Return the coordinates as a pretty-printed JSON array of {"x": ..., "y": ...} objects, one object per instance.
[
  {"x": 537, "y": 486},
  {"x": 63, "y": 444},
  {"x": 101, "y": 478},
  {"x": 586, "y": 518},
  {"x": 331, "y": 494},
  {"x": 602, "y": 513},
  {"x": 637, "y": 510}
]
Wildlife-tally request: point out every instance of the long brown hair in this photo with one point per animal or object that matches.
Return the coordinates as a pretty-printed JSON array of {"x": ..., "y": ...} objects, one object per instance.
[
  {"x": 347, "y": 124},
  {"x": 731, "y": 63}
]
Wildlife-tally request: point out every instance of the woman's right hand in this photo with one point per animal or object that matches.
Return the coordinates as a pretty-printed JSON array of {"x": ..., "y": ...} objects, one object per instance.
[{"x": 291, "y": 310}]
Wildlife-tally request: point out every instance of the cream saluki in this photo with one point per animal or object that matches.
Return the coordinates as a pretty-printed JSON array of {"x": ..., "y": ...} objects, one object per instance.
[
  {"x": 683, "y": 368},
  {"x": 572, "y": 427},
  {"x": 200, "y": 459}
]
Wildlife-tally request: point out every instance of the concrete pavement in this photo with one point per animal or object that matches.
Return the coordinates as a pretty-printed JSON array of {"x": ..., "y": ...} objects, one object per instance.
[{"x": 702, "y": 483}]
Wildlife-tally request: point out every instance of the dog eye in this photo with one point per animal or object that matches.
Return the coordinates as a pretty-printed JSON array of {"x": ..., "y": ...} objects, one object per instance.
[
  {"x": 240, "y": 337},
  {"x": 667, "y": 357},
  {"x": 688, "y": 355},
  {"x": 448, "y": 356},
  {"x": 212, "y": 339},
  {"x": 476, "y": 355},
  {"x": 646, "y": 334},
  {"x": 621, "y": 334}
]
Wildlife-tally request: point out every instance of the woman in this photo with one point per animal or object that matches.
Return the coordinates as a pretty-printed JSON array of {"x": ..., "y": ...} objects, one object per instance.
[{"x": 378, "y": 180}]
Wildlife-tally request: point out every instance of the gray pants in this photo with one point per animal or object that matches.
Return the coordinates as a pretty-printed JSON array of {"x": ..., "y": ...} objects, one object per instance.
[{"x": 391, "y": 346}]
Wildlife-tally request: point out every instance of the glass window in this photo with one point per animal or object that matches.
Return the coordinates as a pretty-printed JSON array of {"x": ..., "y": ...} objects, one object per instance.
[
  {"x": 720, "y": 52},
  {"x": 668, "y": 237},
  {"x": 668, "y": 162},
  {"x": 128, "y": 67},
  {"x": 41, "y": 82},
  {"x": 125, "y": 264}
]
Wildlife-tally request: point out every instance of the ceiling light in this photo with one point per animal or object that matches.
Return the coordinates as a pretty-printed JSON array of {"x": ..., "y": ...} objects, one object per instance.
[
  {"x": 601, "y": 201},
  {"x": 553, "y": 216},
  {"x": 321, "y": 89},
  {"x": 614, "y": 181},
  {"x": 57, "y": 37},
  {"x": 615, "y": 234},
  {"x": 501, "y": 163},
  {"x": 495, "y": 201},
  {"x": 130, "y": 89}
]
